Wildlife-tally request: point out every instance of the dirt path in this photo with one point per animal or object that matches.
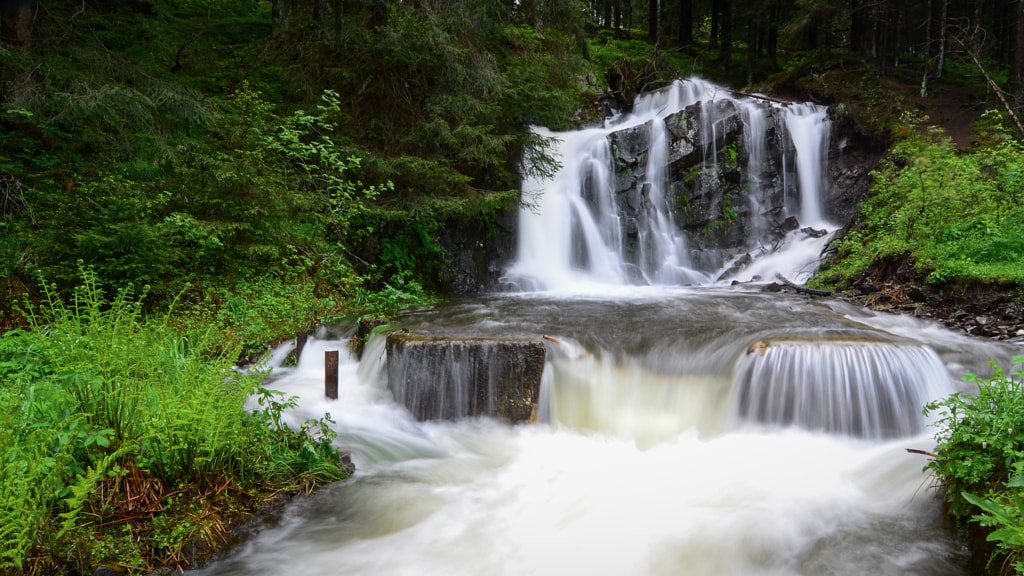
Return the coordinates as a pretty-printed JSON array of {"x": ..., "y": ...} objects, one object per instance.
[{"x": 954, "y": 108}]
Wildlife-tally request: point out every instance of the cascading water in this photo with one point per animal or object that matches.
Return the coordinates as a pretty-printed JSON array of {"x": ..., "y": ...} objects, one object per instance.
[
  {"x": 861, "y": 389},
  {"x": 808, "y": 128},
  {"x": 715, "y": 430},
  {"x": 626, "y": 205}
]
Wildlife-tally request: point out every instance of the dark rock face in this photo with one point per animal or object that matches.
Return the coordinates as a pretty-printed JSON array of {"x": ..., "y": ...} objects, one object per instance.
[
  {"x": 725, "y": 202},
  {"x": 443, "y": 379},
  {"x": 479, "y": 252},
  {"x": 852, "y": 155}
]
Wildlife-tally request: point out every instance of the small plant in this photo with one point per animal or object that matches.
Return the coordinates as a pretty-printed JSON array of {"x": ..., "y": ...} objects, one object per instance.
[
  {"x": 1004, "y": 514},
  {"x": 981, "y": 451},
  {"x": 104, "y": 413}
]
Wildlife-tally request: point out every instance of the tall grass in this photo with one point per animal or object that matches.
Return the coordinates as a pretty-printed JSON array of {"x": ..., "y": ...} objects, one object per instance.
[{"x": 97, "y": 401}]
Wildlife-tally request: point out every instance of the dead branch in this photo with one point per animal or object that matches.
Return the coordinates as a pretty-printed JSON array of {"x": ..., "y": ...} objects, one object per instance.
[
  {"x": 761, "y": 97},
  {"x": 967, "y": 38},
  {"x": 802, "y": 289}
]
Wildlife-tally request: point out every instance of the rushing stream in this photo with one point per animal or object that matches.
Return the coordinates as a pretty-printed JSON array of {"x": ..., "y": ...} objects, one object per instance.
[{"x": 684, "y": 426}]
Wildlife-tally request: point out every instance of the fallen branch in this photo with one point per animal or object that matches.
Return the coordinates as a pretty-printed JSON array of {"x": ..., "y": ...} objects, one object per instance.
[
  {"x": 967, "y": 39},
  {"x": 925, "y": 452},
  {"x": 802, "y": 289},
  {"x": 761, "y": 97}
]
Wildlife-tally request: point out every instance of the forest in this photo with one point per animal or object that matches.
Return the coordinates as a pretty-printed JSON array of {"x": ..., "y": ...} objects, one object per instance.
[{"x": 209, "y": 178}]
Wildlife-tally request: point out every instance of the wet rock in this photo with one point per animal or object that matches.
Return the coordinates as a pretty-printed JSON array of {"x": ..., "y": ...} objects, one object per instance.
[
  {"x": 737, "y": 267},
  {"x": 479, "y": 252},
  {"x": 346, "y": 463},
  {"x": 917, "y": 294},
  {"x": 364, "y": 327},
  {"x": 629, "y": 145},
  {"x": 814, "y": 233},
  {"x": 866, "y": 288},
  {"x": 443, "y": 379}
]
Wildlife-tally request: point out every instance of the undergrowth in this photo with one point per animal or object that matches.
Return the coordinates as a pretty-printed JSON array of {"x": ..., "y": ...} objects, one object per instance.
[
  {"x": 125, "y": 438},
  {"x": 958, "y": 217},
  {"x": 980, "y": 462}
]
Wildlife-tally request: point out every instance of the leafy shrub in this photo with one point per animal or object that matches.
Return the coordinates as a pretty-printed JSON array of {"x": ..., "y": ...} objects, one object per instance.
[
  {"x": 957, "y": 216},
  {"x": 97, "y": 398},
  {"x": 981, "y": 452}
]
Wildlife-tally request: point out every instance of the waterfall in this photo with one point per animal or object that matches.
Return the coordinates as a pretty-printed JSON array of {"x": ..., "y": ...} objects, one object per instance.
[
  {"x": 729, "y": 430},
  {"x": 656, "y": 414},
  {"x": 862, "y": 389},
  {"x": 808, "y": 129},
  {"x": 660, "y": 196}
]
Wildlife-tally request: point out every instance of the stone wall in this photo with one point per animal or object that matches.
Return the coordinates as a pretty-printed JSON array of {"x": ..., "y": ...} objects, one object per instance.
[{"x": 444, "y": 379}]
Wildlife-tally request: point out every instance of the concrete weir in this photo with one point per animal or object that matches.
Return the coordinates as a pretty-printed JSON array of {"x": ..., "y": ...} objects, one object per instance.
[{"x": 445, "y": 379}]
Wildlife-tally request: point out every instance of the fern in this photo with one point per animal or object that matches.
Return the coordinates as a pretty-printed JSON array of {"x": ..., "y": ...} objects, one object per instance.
[{"x": 82, "y": 488}]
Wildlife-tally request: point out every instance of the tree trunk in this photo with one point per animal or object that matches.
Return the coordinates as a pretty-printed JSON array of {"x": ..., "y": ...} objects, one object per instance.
[
  {"x": 887, "y": 26},
  {"x": 942, "y": 39},
  {"x": 19, "y": 33},
  {"x": 629, "y": 20},
  {"x": 716, "y": 23},
  {"x": 339, "y": 17},
  {"x": 1017, "y": 58},
  {"x": 322, "y": 10},
  {"x": 725, "y": 46},
  {"x": 927, "y": 48},
  {"x": 899, "y": 35},
  {"x": 279, "y": 17},
  {"x": 654, "y": 23},
  {"x": 606, "y": 13},
  {"x": 858, "y": 27},
  {"x": 753, "y": 31},
  {"x": 685, "y": 23}
]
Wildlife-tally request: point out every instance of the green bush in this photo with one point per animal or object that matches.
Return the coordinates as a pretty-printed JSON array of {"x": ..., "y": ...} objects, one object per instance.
[
  {"x": 980, "y": 459},
  {"x": 957, "y": 216},
  {"x": 96, "y": 391}
]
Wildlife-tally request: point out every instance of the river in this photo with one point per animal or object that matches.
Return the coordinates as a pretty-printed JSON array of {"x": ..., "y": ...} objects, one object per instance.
[{"x": 686, "y": 425}]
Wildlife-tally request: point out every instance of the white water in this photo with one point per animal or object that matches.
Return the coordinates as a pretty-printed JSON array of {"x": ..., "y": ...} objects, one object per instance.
[
  {"x": 646, "y": 465},
  {"x": 716, "y": 431},
  {"x": 808, "y": 128},
  {"x": 566, "y": 243}
]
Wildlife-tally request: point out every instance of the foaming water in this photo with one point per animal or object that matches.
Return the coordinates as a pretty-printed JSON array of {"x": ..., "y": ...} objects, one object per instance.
[
  {"x": 697, "y": 430},
  {"x": 573, "y": 228},
  {"x": 643, "y": 462},
  {"x": 861, "y": 389}
]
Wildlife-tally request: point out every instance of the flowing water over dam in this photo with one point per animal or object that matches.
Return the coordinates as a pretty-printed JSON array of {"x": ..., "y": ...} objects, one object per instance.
[{"x": 683, "y": 425}]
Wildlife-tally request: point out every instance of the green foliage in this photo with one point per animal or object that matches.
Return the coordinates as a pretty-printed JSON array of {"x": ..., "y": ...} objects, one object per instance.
[
  {"x": 389, "y": 299},
  {"x": 95, "y": 390},
  {"x": 981, "y": 451},
  {"x": 958, "y": 217},
  {"x": 441, "y": 91},
  {"x": 1004, "y": 512}
]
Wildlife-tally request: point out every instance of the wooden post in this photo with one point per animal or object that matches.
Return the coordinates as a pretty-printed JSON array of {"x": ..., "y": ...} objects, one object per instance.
[{"x": 331, "y": 374}]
